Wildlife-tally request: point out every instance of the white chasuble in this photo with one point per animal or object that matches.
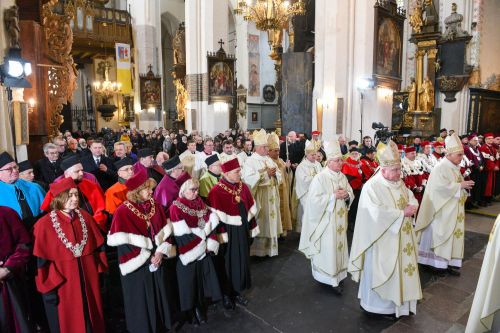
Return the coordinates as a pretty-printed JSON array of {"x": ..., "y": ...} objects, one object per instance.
[
  {"x": 324, "y": 224},
  {"x": 304, "y": 175},
  {"x": 265, "y": 191},
  {"x": 383, "y": 253},
  {"x": 441, "y": 219},
  {"x": 485, "y": 312}
]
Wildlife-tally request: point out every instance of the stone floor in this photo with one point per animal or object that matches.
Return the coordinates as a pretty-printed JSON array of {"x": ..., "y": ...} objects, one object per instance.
[{"x": 285, "y": 298}]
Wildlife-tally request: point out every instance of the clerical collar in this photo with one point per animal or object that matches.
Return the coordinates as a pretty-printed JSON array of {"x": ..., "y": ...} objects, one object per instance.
[
  {"x": 208, "y": 153},
  {"x": 249, "y": 153},
  {"x": 213, "y": 174}
]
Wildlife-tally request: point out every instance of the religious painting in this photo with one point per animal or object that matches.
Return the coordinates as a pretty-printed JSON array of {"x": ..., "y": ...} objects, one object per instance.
[
  {"x": 255, "y": 117},
  {"x": 253, "y": 66},
  {"x": 221, "y": 80},
  {"x": 388, "y": 44},
  {"x": 150, "y": 90}
]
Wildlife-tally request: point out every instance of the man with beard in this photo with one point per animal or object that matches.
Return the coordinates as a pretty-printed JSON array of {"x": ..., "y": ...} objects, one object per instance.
[
  {"x": 246, "y": 153},
  {"x": 234, "y": 205},
  {"x": 227, "y": 151},
  {"x": 91, "y": 194}
]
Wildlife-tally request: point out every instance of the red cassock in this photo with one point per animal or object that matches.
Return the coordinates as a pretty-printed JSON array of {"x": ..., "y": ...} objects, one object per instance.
[
  {"x": 93, "y": 202},
  {"x": 368, "y": 167},
  {"x": 491, "y": 161},
  {"x": 352, "y": 169},
  {"x": 68, "y": 282},
  {"x": 413, "y": 182}
]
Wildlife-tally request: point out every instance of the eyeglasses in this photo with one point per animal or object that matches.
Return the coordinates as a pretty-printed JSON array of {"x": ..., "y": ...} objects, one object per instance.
[
  {"x": 11, "y": 169},
  {"x": 194, "y": 189},
  {"x": 53, "y": 153}
]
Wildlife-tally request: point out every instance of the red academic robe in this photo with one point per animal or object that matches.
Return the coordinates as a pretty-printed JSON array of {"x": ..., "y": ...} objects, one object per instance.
[
  {"x": 95, "y": 197},
  {"x": 491, "y": 161},
  {"x": 59, "y": 271},
  {"x": 353, "y": 172},
  {"x": 15, "y": 253},
  {"x": 115, "y": 196},
  {"x": 368, "y": 168}
]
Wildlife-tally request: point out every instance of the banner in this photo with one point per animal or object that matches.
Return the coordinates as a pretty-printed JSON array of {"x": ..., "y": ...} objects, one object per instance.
[{"x": 123, "y": 72}]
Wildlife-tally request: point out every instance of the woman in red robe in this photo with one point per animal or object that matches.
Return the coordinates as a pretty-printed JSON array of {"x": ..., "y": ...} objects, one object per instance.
[
  {"x": 70, "y": 251},
  {"x": 143, "y": 237}
]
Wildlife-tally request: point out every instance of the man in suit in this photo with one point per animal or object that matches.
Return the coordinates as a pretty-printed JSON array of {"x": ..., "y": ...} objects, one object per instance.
[
  {"x": 100, "y": 165},
  {"x": 48, "y": 168},
  {"x": 295, "y": 150}
]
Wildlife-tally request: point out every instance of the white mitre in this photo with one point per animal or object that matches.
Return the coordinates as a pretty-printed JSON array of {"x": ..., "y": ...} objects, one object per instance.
[
  {"x": 332, "y": 150},
  {"x": 388, "y": 154},
  {"x": 260, "y": 137},
  {"x": 453, "y": 144}
]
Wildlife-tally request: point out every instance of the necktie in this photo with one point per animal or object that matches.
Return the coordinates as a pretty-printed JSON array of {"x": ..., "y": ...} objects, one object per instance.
[{"x": 97, "y": 161}]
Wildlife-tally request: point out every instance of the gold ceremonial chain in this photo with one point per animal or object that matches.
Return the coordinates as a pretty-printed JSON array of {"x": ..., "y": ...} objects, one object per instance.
[
  {"x": 193, "y": 212},
  {"x": 236, "y": 193},
  {"x": 76, "y": 249},
  {"x": 140, "y": 215}
]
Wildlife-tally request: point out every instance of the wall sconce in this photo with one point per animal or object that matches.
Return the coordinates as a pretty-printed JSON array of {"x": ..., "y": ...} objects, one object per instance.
[{"x": 31, "y": 105}]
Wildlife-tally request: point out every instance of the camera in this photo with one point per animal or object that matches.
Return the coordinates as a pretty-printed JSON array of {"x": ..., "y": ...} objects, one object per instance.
[{"x": 382, "y": 132}]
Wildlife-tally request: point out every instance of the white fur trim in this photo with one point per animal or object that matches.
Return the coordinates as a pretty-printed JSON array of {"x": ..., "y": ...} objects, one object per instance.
[
  {"x": 212, "y": 245},
  {"x": 228, "y": 219},
  {"x": 181, "y": 228},
  {"x": 254, "y": 232},
  {"x": 122, "y": 238},
  {"x": 167, "y": 249},
  {"x": 252, "y": 212},
  {"x": 134, "y": 263},
  {"x": 213, "y": 222},
  {"x": 193, "y": 254},
  {"x": 222, "y": 238},
  {"x": 164, "y": 233}
]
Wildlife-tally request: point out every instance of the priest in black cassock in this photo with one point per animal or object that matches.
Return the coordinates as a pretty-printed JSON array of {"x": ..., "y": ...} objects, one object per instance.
[{"x": 234, "y": 205}]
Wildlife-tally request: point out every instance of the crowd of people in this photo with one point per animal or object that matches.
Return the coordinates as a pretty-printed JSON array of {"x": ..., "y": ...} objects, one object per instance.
[{"x": 181, "y": 214}]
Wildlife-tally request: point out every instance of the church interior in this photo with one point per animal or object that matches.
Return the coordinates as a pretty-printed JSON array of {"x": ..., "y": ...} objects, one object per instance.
[{"x": 350, "y": 68}]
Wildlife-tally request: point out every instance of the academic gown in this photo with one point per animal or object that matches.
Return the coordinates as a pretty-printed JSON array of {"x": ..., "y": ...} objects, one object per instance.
[
  {"x": 440, "y": 221},
  {"x": 353, "y": 172},
  {"x": 15, "y": 252},
  {"x": 207, "y": 181},
  {"x": 26, "y": 202},
  {"x": 324, "y": 238},
  {"x": 237, "y": 226},
  {"x": 491, "y": 160},
  {"x": 195, "y": 244},
  {"x": 168, "y": 190},
  {"x": 69, "y": 284},
  {"x": 147, "y": 295},
  {"x": 115, "y": 196},
  {"x": 91, "y": 200}
]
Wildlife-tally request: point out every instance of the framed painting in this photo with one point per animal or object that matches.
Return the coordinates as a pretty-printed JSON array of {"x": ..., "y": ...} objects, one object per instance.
[
  {"x": 388, "y": 44},
  {"x": 150, "y": 90},
  {"x": 221, "y": 78}
]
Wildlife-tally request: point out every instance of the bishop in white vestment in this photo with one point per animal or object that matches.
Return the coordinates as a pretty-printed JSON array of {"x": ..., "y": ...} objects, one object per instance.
[
  {"x": 441, "y": 219},
  {"x": 304, "y": 175},
  {"x": 383, "y": 253},
  {"x": 323, "y": 238},
  {"x": 263, "y": 178}
]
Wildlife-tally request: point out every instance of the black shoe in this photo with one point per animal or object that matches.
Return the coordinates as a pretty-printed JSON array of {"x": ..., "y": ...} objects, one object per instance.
[
  {"x": 440, "y": 272},
  {"x": 338, "y": 290},
  {"x": 241, "y": 300},
  {"x": 228, "y": 303},
  {"x": 200, "y": 315},
  {"x": 453, "y": 271}
]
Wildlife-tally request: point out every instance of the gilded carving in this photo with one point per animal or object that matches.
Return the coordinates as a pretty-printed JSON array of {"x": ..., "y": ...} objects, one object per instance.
[
  {"x": 426, "y": 96},
  {"x": 181, "y": 98},
  {"x": 62, "y": 73},
  {"x": 416, "y": 18},
  {"x": 412, "y": 95}
]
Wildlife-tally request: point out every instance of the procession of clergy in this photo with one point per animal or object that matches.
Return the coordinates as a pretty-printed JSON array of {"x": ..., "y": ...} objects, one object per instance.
[{"x": 183, "y": 231}]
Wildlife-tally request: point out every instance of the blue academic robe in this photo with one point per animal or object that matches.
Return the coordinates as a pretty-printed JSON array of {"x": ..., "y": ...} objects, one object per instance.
[{"x": 33, "y": 192}]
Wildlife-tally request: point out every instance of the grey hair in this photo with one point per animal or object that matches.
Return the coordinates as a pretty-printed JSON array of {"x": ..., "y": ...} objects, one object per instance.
[
  {"x": 48, "y": 146},
  {"x": 187, "y": 184}
]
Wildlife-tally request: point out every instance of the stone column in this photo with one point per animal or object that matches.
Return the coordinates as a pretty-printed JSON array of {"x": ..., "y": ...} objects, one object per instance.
[
  {"x": 475, "y": 44},
  {"x": 206, "y": 24},
  {"x": 147, "y": 29}
]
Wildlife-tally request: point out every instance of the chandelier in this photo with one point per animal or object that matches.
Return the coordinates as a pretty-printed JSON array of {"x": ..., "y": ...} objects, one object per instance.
[
  {"x": 269, "y": 14},
  {"x": 107, "y": 88}
]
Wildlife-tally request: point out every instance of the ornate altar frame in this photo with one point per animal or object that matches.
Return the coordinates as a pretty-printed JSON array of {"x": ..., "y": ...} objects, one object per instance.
[{"x": 216, "y": 62}]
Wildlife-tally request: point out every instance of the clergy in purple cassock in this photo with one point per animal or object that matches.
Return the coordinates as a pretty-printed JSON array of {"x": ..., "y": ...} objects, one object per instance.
[{"x": 168, "y": 189}]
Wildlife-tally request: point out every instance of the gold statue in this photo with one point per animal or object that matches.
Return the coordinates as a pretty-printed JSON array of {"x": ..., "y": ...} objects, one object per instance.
[
  {"x": 426, "y": 94},
  {"x": 412, "y": 95},
  {"x": 181, "y": 99},
  {"x": 416, "y": 18}
]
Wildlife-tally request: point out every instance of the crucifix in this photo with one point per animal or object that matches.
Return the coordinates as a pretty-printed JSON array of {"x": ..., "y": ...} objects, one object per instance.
[
  {"x": 221, "y": 43},
  {"x": 150, "y": 67}
]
